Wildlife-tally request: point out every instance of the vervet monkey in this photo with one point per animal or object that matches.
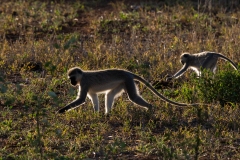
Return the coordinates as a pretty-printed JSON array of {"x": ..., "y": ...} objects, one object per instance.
[
  {"x": 200, "y": 61},
  {"x": 112, "y": 82}
]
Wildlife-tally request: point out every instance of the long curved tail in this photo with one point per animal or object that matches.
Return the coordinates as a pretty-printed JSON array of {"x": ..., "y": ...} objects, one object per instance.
[
  {"x": 136, "y": 77},
  {"x": 227, "y": 59}
]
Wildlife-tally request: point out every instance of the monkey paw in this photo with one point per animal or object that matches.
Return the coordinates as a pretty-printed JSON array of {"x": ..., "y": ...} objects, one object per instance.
[{"x": 168, "y": 78}]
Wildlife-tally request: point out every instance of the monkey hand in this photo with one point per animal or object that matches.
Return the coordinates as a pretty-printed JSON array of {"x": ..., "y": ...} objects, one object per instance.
[{"x": 168, "y": 78}]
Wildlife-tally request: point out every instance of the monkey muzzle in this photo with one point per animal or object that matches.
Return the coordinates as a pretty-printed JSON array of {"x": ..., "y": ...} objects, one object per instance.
[{"x": 73, "y": 81}]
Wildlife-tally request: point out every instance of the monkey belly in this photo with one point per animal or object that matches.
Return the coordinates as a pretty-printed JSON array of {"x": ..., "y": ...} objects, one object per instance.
[{"x": 104, "y": 88}]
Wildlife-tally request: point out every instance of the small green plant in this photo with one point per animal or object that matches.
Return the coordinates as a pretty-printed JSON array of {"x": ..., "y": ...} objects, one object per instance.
[
  {"x": 222, "y": 87},
  {"x": 118, "y": 146}
]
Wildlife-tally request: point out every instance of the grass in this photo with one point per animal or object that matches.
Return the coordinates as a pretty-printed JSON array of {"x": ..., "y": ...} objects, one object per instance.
[{"x": 40, "y": 41}]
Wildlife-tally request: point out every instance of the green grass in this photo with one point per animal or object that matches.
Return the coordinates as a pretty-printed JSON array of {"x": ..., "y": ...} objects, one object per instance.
[{"x": 40, "y": 41}]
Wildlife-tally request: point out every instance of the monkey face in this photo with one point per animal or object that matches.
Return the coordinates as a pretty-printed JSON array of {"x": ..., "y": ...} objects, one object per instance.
[
  {"x": 75, "y": 76},
  {"x": 73, "y": 80},
  {"x": 184, "y": 58}
]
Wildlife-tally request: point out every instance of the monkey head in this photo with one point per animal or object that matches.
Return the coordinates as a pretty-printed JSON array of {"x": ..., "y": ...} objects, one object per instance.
[
  {"x": 73, "y": 80},
  {"x": 184, "y": 58},
  {"x": 75, "y": 75}
]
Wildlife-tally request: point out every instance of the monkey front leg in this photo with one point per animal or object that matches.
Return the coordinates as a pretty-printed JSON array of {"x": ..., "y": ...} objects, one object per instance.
[
  {"x": 179, "y": 73},
  {"x": 72, "y": 105},
  {"x": 81, "y": 97}
]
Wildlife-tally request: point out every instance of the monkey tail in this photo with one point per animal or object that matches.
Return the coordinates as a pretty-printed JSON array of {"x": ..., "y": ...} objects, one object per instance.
[
  {"x": 160, "y": 95},
  {"x": 227, "y": 59}
]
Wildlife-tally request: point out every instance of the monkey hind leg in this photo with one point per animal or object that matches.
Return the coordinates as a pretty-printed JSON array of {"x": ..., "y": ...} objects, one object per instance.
[
  {"x": 134, "y": 96},
  {"x": 95, "y": 101},
  {"x": 110, "y": 96}
]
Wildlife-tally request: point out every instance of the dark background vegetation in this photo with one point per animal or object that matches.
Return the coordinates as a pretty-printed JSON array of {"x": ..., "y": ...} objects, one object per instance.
[{"x": 41, "y": 40}]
